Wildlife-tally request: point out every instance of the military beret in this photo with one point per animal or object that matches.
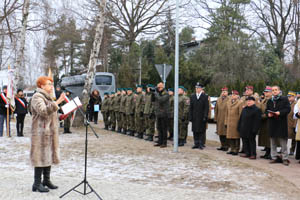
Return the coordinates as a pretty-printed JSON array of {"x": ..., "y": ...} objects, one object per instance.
[
  {"x": 150, "y": 86},
  {"x": 171, "y": 89},
  {"x": 106, "y": 93},
  {"x": 224, "y": 88},
  {"x": 235, "y": 92},
  {"x": 139, "y": 86},
  {"x": 249, "y": 87},
  {"x": 119, "y": 89},
  {"x": 129, "y": 89},
  {"x": 297, "y": 93},
  {"x": 112, "y": 93},
  {"x": 181, "y": 87}
]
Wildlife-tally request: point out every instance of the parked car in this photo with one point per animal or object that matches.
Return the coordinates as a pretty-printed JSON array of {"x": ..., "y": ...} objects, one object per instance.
[{"x": 213, "y": 101}]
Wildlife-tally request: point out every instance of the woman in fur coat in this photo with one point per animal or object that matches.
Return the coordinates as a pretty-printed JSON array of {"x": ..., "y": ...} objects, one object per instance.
[{"x": 44, "y": 138}]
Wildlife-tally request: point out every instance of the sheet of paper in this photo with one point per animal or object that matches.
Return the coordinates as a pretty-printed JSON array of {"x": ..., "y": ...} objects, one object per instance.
[{"x": 71, "y": 106}]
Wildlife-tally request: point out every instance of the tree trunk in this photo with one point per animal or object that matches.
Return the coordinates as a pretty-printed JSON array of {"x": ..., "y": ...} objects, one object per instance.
[
  {"x": 93, "y": 58},
  {"x": 19, "y": 66}
]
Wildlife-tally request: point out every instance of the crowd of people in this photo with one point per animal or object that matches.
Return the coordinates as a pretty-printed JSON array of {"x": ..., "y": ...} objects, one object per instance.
[{"x": 239, "y": 118}]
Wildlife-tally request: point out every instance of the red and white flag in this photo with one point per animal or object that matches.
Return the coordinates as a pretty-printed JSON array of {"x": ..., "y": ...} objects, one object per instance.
[{"x": 10, "y": 87}]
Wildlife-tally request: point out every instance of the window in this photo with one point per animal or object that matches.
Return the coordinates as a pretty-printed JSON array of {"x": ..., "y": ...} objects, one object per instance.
[{"x": 103, "y": 80}]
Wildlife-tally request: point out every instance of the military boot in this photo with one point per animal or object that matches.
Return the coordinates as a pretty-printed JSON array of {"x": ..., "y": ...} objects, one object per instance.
[
  {"x": 181, "y": 142},
  {"x": 37, "y": 186},
  {"x": 46, "y": 181},
  {"x": 140, "y": 135}
]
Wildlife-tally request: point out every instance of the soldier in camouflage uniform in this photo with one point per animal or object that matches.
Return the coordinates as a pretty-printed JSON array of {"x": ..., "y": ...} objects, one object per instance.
[
  {"x": 104, "y": 110},
  {"x": 117, "y": 101},
  {"x": 139, "y": 111},
  {"x": 123, "y": 123},
  {"x": 183, "y": 111},
  {"x": 129, "y": 110},
  {"x": 149, "y": 115},
  {"x": 171, "y": 113},
  {"x": 67, "y": 121},
  {"x": 112, "y": 112}
]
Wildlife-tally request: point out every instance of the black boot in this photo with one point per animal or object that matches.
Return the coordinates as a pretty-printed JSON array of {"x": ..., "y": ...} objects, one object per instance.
[
  {"x": 124, "y": 131},
  {"x": 65, "y": 130},
  {"x": 46, "y": 181},
  {"x": 22, "y": 127},
  {"x": 37, "y": 186},
  {"x": 68, "y": 129},
  {"x": 141, "y": 135},
  {"x": 181, "y": 142},
  {"x": 119, "y": 130},
  {"x": 149, "y": 138},
  {"x": 106, "y": 127}
]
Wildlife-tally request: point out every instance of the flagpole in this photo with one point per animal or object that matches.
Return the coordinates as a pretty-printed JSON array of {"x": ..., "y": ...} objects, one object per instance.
[{"x": 7, "y": 111}]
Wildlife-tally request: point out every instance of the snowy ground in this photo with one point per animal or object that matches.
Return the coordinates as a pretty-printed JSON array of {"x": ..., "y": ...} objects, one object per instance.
[{"x": 125, "y": 168}]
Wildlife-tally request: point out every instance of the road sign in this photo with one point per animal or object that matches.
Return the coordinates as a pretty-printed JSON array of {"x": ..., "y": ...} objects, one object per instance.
[{"x": 163, "y": 71}]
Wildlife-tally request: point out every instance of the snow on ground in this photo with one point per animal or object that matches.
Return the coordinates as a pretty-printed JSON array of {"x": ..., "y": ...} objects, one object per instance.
[{"x": 126, "y": 168}]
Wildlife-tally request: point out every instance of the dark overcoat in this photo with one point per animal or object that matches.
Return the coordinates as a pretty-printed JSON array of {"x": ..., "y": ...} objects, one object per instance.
[
  {"x": 278, "y": 126},
  {"x": 198, "y": 113},
  {"x": 249, "y": 122}
]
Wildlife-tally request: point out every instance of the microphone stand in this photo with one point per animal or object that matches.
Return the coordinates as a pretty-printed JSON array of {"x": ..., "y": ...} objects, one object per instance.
[{"x": 84, "y": 181}]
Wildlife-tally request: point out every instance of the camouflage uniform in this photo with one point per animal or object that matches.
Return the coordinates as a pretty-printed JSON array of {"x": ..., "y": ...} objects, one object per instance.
[
  {"x": 112, "y": 113},
  {"x": 117, "y": 101},
  {"x": 139, "y": 112},
  {"x": 171, "y": 117},
  {"x": 183, "y": 111},
  {"x": 149, "y": 116},
  {"x": 129, "y": 110},
  {"x": 123, "y": 121},
  {"x": 105, "y": 112}
]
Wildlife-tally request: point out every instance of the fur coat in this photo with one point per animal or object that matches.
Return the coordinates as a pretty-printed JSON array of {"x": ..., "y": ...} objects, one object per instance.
[{"x": 44, "y": 139}]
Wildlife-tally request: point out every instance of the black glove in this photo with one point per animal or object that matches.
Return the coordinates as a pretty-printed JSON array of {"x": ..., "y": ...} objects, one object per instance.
[
  {"x": 141, "y": 114},
  {"x": 294, "y": 129}
]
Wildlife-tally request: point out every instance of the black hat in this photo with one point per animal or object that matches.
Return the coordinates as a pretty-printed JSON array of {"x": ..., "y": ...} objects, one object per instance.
[
  {"x": 198, "y": 85},
  {"x": 250, "y": 98}
]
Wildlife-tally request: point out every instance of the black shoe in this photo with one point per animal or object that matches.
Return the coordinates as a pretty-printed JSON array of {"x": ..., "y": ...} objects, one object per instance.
[
  {"x": 242, "y": 151},
  {"x": 46, "y": 181},
  {"x": 39, "y": 188},
  {"x": 201, "y": 147},
  {"x": 180, "y": 143},
  {"x": 157, "y": 145},
  {"x": 230, "y": 152},
  {"x": 234, "y": 153},
  {"x": 220, "y": 149},
  {"x": 195, "y": 147}
]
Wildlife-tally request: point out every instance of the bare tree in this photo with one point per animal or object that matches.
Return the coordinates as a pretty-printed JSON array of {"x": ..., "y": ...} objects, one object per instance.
[
  {"x": 275, "y": 18},
  {"x": 19, "y": 66},
  {"x": 95, "y": 51},
  {"x": 296, "y": 30},
  {"x": 133, "y": 17}
]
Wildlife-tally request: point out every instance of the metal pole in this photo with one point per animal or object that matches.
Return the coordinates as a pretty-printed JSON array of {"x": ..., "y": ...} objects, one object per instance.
[{"x": 176, "y": 81}]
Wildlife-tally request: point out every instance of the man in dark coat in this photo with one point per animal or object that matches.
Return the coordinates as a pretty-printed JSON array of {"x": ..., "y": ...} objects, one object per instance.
[
  {"x": 4, "y": 104},
  {"x": 248, "y": 127},
  {"x": 21, "y": 111},
  {"x": 278, "y": 108},
  {"x": 161, "y": 102},
  {"x": 198, "y": 115}
]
